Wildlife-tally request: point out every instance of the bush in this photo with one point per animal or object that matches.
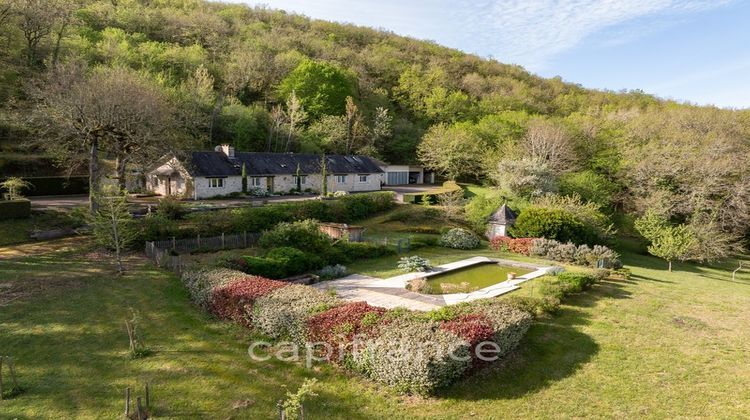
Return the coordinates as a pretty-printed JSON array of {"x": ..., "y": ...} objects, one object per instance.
[
  {"x": 515, "y": 245},
  {"x": 15, "y": 209},
  {"x": 414, "y": 357},
  {"x": 57, "y": 185},
  {"x": 235, "y": 300},
  {"x": 478, "y": 211},
  {"x": 414, "y": 263},
  {"x": 155, "y": 227},
  {"x": 305, "y": 233},
  {"x": 278, "y": 263},
  {"x": 583, "y": 254},
  {"x": 295, "y": 261},
  {"x": 533, "y": 305},
  {"x": 575, "y": 282},
  {"x": 338, "y": 327},
  {"x": 200, "y": 283},
  {"x": 339, "y": 194},
  {"x": 362, "y": 250},
  {"x": 283, "y": 312},
  {"x": 171, "y": 208},
  {"x": 474, "y": 328},
  {"x": 459, "y": 238},
  {"x": 550, "y": 223},
  {"x": 508, "y": 323},
  {"x": 331, "y": 272}
]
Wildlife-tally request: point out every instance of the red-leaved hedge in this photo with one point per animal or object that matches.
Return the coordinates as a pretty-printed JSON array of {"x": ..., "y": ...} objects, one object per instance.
[
  {"x": 337, "y": 327},
  {"x": 235, "y": 300},
  {"x": 474, "y": 328},
  {"x": 515, "y": 245}
]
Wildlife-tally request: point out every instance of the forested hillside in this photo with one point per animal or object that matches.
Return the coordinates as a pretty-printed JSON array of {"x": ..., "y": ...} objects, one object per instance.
[{"x": 136, "y": 78}]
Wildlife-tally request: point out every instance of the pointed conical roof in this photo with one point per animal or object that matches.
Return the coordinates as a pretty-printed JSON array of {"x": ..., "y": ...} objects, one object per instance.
[{"x": 503, "y": 215}]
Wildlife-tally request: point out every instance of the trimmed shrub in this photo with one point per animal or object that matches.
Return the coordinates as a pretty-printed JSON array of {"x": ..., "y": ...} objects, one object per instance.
[
  {"x": 414, "y": 263},
  {"x": 551, "y": 223},
  {"x": 414, "y": 357},
  {"x": 339, "y": 327},
  {"x": 516, "y": 245},
  {"x": 283, "y": 312},
  {"x": 155, "y": 226},
  {"x": 294, "y": 260},
  {"x": 57, "y": 185},
  {"x": 305, "y": 233},
  {"x": 15, "y": 209},
  {"x": 363, "y": 250},
  {"x": 532, "y": 305},
  {"x": 235, "y": 300},
  {"x": 200, "y": 283},
  {"x": 474, "y": 328},
  {"x": 459, "y": 238},
  {"x": 582, "y": 255},
  {"x": 508, "y": 323},
  {"x": 576, "y": 282}
]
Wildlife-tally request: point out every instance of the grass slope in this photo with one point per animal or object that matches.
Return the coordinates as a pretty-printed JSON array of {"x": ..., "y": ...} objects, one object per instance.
[{"x": 660, "y": 345}]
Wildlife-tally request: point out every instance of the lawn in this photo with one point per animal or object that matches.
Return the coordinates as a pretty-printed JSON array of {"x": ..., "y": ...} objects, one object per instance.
[
  {"x": 659, "y": 345},
  {"x": 14, "y": 231}
]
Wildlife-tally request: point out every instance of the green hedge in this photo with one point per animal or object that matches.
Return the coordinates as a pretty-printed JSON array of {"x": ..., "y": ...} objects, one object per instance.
[
  {"x": 15, "y": 209},
  {"x": 56, "y": 185}
]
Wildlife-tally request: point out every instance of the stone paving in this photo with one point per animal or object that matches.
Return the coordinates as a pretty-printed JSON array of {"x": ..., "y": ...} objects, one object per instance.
[{"x": 392, "y": 293}]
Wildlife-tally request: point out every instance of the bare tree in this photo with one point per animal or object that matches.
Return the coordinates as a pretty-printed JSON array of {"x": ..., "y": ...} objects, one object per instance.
[
  {"x": 549, "y": 142},
  {"x": 37, "y": 18},
  {"x": 296, "y": 115},
  {"x": 278, "y": 116},
  {"x": 110, "y": 109}
]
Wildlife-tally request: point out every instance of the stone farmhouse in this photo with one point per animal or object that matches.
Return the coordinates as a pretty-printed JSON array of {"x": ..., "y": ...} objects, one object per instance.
[{"x": 206, "y": 174}]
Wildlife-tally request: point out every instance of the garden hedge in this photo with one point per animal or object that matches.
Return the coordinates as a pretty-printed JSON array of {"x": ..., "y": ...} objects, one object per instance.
[
  {"x": 416, "y": 352},
  {"x": 283, "y": 312},
  {"x": 15, "y": 209},
  {"x": 56, "y": 185}
]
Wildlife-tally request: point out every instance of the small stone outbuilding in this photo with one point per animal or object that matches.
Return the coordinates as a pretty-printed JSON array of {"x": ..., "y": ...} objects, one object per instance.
[{"x": 500, "y": 221}]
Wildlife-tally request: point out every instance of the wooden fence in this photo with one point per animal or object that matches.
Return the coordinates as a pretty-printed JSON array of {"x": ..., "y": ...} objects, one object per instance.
[{"x": 166, "y": 253}]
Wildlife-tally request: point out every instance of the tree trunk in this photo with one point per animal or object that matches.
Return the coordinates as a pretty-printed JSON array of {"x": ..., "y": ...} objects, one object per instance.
[
  {"x": 94, "y": 175},
  {"x": 120, "y": 165},
  {"x": 116, "y": 237},
  {"x": 670, "y": 266},
  {"x": 56, "y": 51}
]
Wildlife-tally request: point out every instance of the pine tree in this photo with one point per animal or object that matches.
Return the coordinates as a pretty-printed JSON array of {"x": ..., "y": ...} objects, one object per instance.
[
  {"x": 244, "y": 178},
  {"x": 324, "y": 176}
]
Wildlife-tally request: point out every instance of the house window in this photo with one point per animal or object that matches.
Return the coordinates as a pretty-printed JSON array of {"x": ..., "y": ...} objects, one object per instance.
[
  {"x": 255, "y": 181},
  {"x": 302, "y": 179},
  {"x": 156, "y": 181},
  {"x": 216, "y": 182},
  {"x": 341, "y": 179},
  {"x": 362, "y": 178}
]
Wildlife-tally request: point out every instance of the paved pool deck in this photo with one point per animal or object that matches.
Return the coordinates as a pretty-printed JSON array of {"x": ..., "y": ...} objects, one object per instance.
[{"x": 392, "y": 293}]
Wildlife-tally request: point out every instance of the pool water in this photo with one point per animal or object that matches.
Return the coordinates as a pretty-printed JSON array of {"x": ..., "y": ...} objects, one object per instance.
[{"x": 472, "y": 278}]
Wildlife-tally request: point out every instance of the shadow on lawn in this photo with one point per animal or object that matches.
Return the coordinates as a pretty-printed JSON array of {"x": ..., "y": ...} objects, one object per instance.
[{"x": 553, "y": 349}]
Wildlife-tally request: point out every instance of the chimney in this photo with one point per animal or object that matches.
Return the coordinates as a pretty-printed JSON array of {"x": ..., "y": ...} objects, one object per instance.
[{"x": 226, "y": 149}]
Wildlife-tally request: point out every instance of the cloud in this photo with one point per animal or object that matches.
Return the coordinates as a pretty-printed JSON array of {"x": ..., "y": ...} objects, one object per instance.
[{"x": 530, "y": 32}]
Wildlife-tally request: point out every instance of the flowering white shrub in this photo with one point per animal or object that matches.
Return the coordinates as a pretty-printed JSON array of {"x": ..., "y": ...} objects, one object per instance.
[
  {"x": 414, "y": 263},
  {"x": 338, "y": 194},
  {"x": 458, "y": 238}
]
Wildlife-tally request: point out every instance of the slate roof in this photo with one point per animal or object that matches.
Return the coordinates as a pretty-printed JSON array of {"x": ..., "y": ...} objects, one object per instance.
[
  {"x": 503, "y": 215},
  {"x": 257, "y": 164}
]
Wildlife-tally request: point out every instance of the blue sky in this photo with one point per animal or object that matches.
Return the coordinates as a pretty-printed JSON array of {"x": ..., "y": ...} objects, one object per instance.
[{"x": 688, "y": 50}]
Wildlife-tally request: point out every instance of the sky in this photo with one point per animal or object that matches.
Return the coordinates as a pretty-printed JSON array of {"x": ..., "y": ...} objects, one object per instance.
[{"x": 688, "y": 50}]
